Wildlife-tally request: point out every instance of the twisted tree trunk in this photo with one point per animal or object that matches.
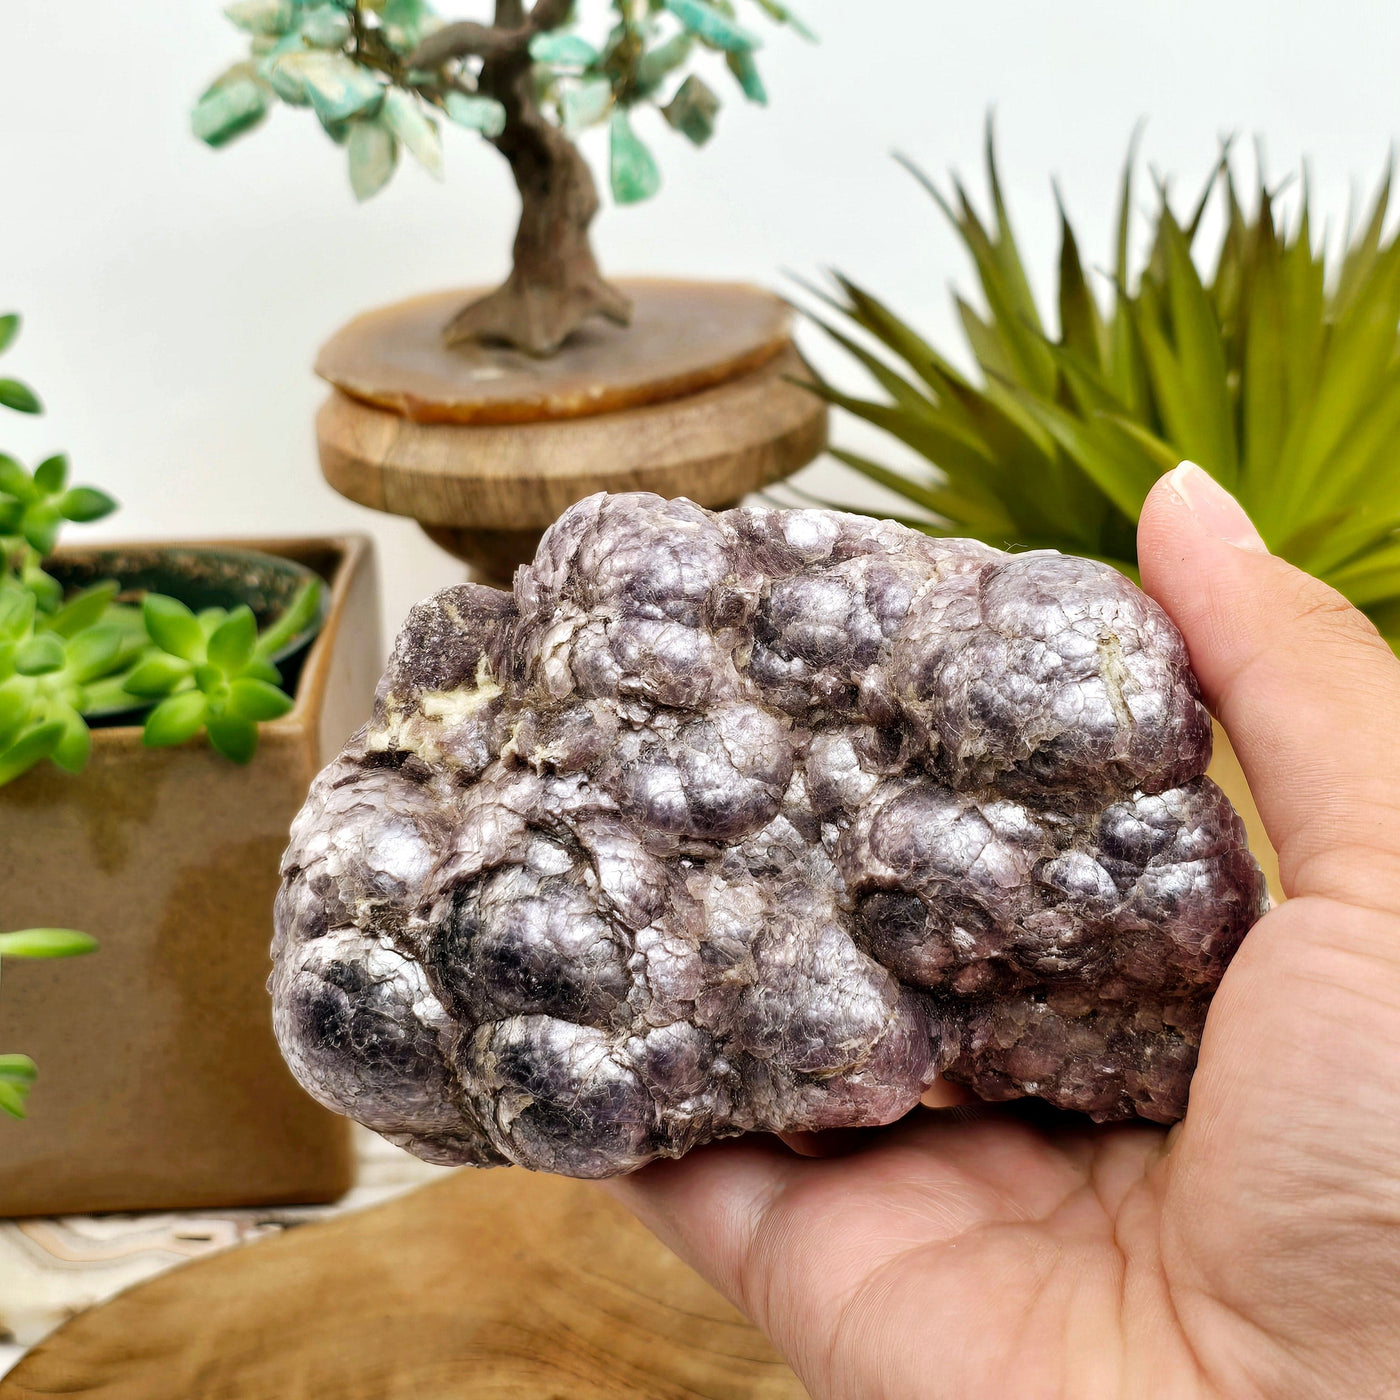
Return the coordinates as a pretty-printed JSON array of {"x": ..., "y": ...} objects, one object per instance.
[{"x": 555, "y": 284}]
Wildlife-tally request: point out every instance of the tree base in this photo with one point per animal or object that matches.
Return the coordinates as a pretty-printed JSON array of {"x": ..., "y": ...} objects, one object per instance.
[
  {"x": 684, "y": 337},
  {"x": 536, "y": 319}
]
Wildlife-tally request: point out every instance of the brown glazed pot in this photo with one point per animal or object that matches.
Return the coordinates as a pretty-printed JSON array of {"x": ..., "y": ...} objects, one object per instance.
[{"x": 160, "y": 1085}]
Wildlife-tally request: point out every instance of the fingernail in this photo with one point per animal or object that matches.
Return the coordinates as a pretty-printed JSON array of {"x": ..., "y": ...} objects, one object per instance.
[{"x": 1216, "y": 509}]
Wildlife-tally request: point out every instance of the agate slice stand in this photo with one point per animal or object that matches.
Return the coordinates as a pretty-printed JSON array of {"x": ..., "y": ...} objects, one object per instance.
[{"x": 485, "y": 446}]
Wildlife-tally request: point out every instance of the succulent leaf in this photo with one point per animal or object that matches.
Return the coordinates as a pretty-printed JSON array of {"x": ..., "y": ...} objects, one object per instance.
[
  {"x": 157, "y": 676},
  {"x": 51, "y": 473},
  {"x": 30, "y": 748},
  {"x": 255, "y": 699},
  {"x": 40, "y": 527},
  {"x": 83, "y": 610},
  {"x": 175, "y": 720},
  {"x": 17, "y": 1069},
  {"x": 12, "y": 1099},
  {"x": 15, "y": 481},
  {"x": 233, "y": 736},
  {"x": 84, "y": 504},
  {"x": 231, "y": 645},
  {"x": 46, "y": 943},
  {"x": 300, "y": 612},
  {"x": 39, "y": 655},
  {"x": 93, "y": 653},
  {"x": 74, "y": 747},
  {"x": 173, "y": 627},
  {"x": 20, "y": 397}
]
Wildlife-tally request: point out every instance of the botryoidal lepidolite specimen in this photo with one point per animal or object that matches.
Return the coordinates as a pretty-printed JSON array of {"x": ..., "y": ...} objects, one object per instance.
[{"x": 759, "y": 820}]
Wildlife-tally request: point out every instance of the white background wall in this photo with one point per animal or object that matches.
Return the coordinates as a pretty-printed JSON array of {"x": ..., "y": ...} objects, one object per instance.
[{"x": 175, "y": 296}]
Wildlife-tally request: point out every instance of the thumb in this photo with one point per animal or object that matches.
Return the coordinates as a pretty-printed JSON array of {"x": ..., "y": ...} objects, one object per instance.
[{"x": 1305, "y": 687}]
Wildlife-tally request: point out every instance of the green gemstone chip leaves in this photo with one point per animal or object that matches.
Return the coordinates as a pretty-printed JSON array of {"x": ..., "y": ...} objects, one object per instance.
[
  {"x": 483, "y": 114},
  {"x": 418, "y": 134},
  {"x": 231, "y": 107},
  {"x": 361, "y": 65},
  {"x": 711, "y": 25},
  {"x": 562, "y": 50},
  {"x": 693, "y": 110},
  {"x": 374, "y": 153},
  {"x": 635, "y": 174},
  {"x": 746, "y": 73}
]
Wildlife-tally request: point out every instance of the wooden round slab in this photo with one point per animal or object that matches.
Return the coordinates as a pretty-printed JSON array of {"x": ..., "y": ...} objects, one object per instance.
[
  {"x": 485, "y": 1286},
  {"x": 486, "y": 492},
  {"x": 684, "y": 337}
]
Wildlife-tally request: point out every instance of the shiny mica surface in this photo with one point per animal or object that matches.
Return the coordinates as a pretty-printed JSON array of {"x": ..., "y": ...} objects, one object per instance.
[{"x": 759, "y": 821}]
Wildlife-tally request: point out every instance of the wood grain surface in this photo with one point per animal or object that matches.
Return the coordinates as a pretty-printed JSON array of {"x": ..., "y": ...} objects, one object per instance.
[
  {"x": 684, "y": 337},
  {"x": 713, "y": 446},
  {"x": 495, "y": 1285}
]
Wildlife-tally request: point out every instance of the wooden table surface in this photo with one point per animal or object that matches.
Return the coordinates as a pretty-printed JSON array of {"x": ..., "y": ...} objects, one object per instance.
[{"x": 497, "y": 1284}]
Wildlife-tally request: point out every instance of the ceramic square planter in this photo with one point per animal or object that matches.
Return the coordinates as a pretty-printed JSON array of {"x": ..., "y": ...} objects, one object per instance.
[{"x": 160, "y": 1084}]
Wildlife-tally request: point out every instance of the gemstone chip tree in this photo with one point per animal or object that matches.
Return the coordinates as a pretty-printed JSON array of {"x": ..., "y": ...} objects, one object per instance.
[
  {"x": 759, "y": 820},
  {"x": 379, "y": 74}
]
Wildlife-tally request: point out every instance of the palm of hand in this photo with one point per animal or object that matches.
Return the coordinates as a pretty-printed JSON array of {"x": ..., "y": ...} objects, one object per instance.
[
  {"x": 986, "y": 1252},
  {"x": 1254, "y": 1250}
]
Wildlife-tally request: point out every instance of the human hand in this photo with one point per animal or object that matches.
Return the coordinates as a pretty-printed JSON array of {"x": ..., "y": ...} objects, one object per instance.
[{"x": 1253, "y": 1250}]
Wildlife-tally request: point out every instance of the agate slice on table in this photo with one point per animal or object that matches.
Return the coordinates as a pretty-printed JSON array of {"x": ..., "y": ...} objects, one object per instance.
[{"x": 759, "y": 821}]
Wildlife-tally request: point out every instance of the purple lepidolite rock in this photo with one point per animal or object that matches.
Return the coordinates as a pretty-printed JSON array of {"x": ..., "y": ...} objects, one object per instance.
[{"x": 752, "y": 821}]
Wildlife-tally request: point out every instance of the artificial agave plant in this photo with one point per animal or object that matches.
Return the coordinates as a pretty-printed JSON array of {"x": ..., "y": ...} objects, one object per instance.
[
  {"x": 1278, "y": 372},
  {"x": 378, "y": 73}
]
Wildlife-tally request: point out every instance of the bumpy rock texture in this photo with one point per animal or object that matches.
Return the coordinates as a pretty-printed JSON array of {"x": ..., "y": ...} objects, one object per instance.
[{"x": 759, "y": 820}]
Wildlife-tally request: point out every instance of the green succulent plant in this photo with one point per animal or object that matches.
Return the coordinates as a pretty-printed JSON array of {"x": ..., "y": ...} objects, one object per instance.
[
  {"x": 18, "y": 1072},
  {"x": 22, "y": 516},
  {"x": 1278, "y": 372},
  {"x": 62, "y": 660}
]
